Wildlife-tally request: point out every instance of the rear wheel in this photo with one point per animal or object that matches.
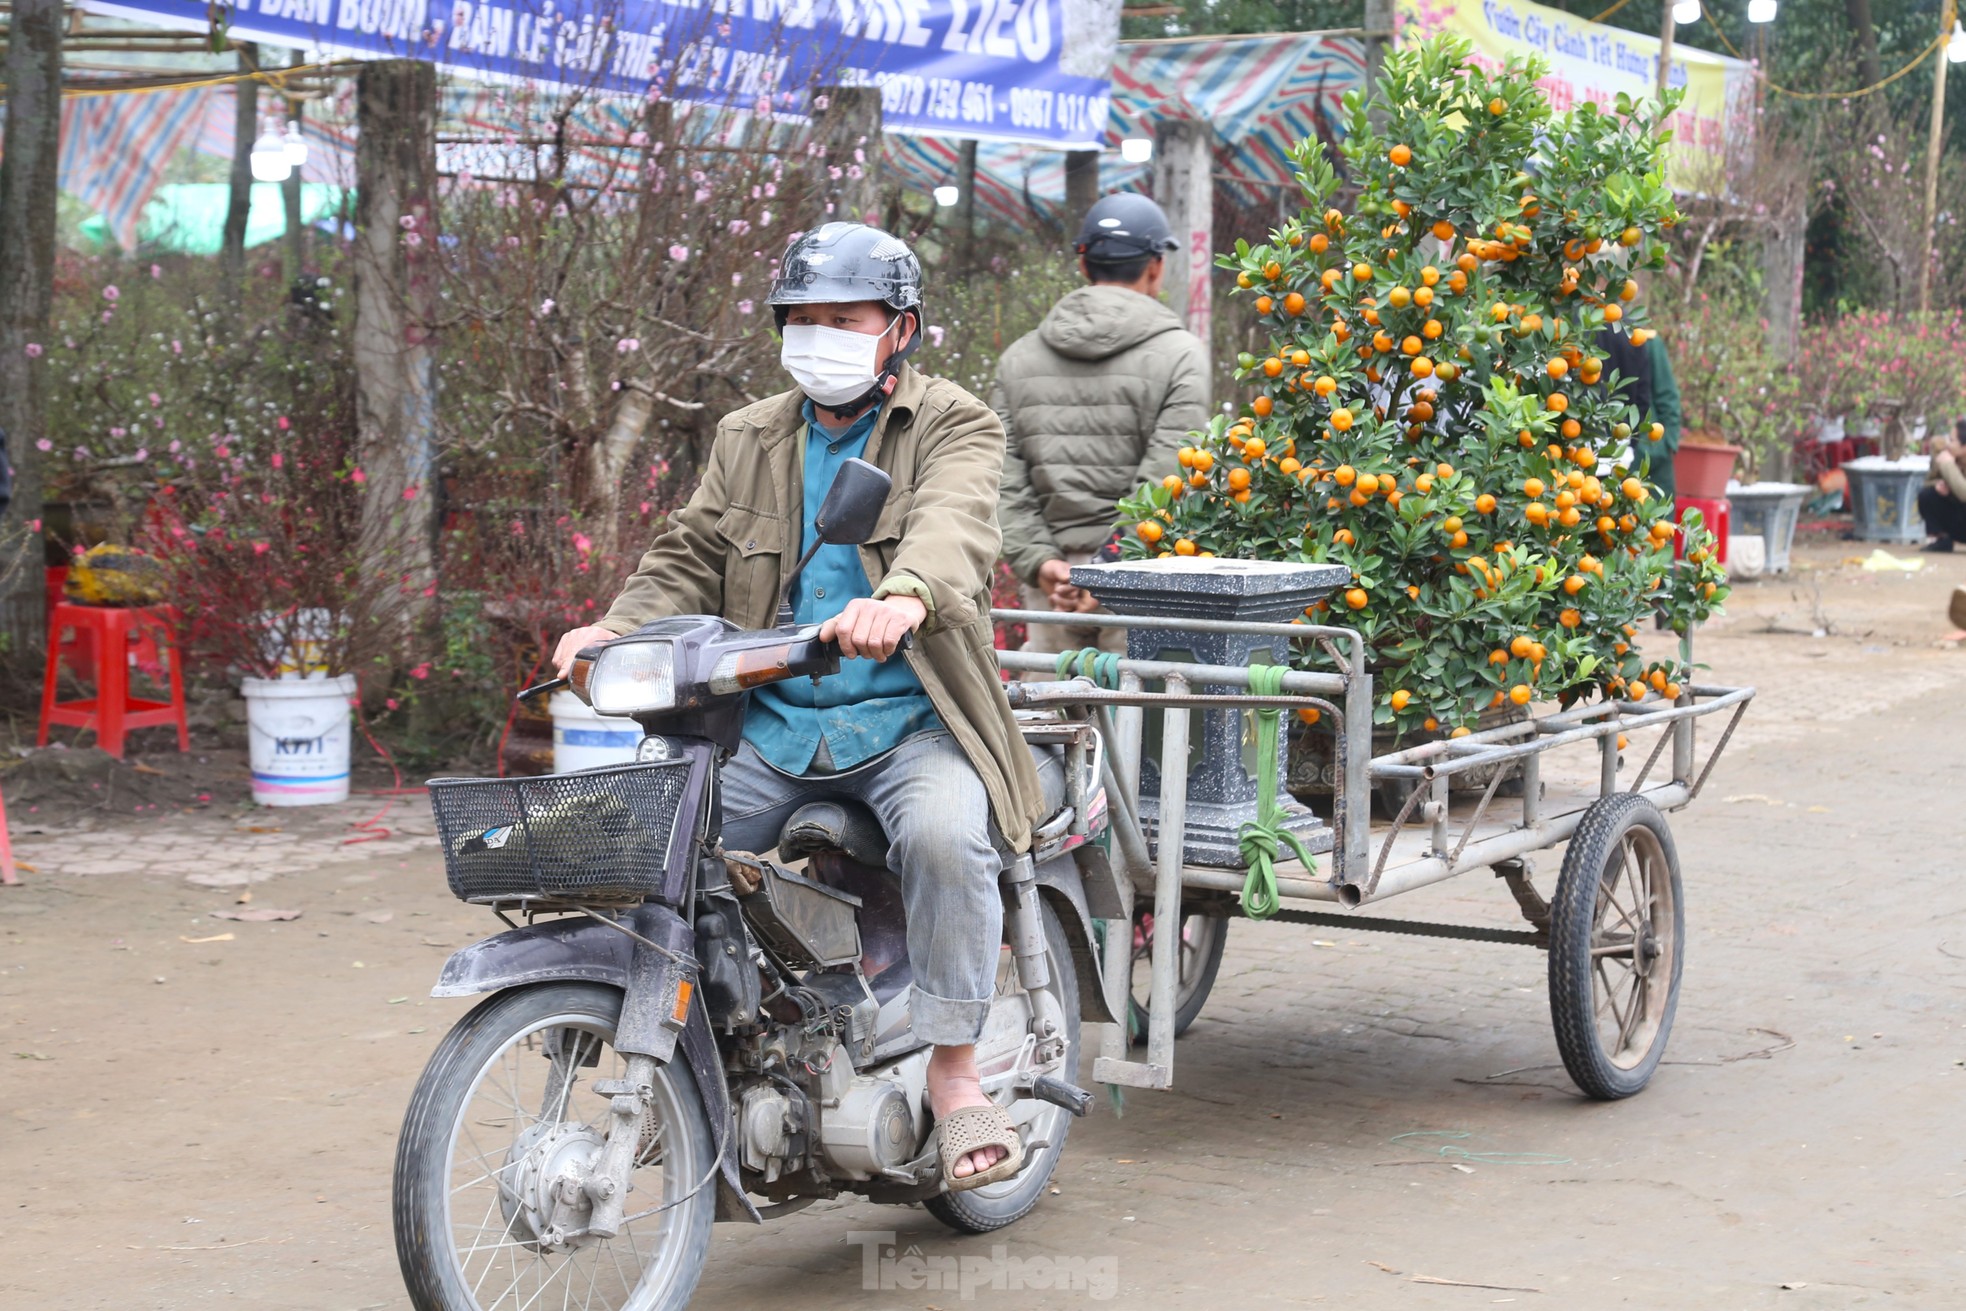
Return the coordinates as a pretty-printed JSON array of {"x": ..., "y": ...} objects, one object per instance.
[
  {"x": 504, "y": 1115},
  {"x": 1042, "y": 1125},
  {"x": 1617, "y": 933},
  {"x": 1202, "y": 939}
]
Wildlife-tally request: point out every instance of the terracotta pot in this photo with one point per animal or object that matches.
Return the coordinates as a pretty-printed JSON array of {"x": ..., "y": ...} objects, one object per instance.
[{"x": 1702, "y": 472}]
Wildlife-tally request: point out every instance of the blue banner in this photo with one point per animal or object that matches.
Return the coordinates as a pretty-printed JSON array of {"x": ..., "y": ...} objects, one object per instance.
[{"x": 1011, "y": 70}]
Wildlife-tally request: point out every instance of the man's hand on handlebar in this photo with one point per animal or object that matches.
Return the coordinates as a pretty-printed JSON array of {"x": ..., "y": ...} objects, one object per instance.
[
  {"x": 873, "y": 629},
  {"x": 576, "y": 641}
]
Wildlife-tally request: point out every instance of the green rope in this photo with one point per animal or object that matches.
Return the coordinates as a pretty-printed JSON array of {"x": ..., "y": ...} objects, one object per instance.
[
  {"x": 1262, "y": 837},
  {"x": 1102, "y": 667}
]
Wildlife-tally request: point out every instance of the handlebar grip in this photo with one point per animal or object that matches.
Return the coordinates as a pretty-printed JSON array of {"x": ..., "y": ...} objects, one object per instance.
[{"x": 550, "y": 685}]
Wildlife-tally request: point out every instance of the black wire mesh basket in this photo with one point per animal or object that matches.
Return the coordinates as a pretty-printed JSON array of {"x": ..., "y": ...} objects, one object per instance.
[{"x": 600, "y": 836}]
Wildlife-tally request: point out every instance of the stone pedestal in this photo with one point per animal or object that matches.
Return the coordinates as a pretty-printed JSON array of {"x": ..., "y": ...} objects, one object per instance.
[
  {"x": 1884, "y": 497},
  {"x": 1769, "y": 510},
  {"x": 1222, "y": 763}
]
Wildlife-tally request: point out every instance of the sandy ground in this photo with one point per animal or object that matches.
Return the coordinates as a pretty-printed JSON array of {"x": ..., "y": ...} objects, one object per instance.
[{"x": 199, "y": 1113}]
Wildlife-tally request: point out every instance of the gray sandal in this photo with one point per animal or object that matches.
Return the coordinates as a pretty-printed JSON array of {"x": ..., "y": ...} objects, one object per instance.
[{"x": 972, "y": 1129}]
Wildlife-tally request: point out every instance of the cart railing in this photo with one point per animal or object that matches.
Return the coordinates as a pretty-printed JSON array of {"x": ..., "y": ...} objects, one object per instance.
[{"x": 1426, "y": 841}]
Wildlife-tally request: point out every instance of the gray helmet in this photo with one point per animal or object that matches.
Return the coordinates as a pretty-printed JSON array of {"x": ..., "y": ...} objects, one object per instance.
[
  {"x": 847, "y": 262},
  {"x": 1124, "y": 226}
]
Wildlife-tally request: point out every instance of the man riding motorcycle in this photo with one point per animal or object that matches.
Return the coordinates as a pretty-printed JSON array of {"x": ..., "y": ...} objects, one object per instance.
[{"x": 926, "y": 741}]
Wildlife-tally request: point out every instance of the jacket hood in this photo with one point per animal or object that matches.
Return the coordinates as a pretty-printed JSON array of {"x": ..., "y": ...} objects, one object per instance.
[{"x": 1095, "y": 322}]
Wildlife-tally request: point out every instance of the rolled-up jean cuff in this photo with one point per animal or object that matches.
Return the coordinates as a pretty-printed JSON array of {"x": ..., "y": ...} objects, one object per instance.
[{"x": 946, "y": 1022}]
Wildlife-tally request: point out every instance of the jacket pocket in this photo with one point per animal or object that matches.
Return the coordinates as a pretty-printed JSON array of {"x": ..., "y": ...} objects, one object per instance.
[
  {"x": 754, "y": 542},
  {"x": 887, "y": 528}
]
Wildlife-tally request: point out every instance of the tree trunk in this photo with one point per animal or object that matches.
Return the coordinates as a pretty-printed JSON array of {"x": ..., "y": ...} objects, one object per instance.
[
  {"x": 1866, "y": 33},
  {"x": 1781, "y": 279},
  {"x": 965, "y": 216},
  {"x": 848, "y": 129},
  {"x": 245, "y": 128},
  {"x": 27, "y": 281},
  {"x": 607, "y": 467},
  {"x": 290, "y": 196},
  {"x": 395, "y": 301}
]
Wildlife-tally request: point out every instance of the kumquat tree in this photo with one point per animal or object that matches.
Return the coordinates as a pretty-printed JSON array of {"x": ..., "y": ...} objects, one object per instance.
[{"x": 1434, "y": 411}]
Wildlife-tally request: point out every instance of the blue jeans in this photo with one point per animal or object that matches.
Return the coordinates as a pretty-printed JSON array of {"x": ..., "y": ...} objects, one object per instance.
[{"x": 931, "y": 803}]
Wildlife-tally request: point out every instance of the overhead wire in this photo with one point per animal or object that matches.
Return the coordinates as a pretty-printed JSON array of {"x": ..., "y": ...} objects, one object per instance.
[{"x": 1778, "y": 89}]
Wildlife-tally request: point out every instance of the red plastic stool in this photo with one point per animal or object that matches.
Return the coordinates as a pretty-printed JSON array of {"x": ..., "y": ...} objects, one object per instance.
[
  {"x": 1715, "y": 513},
  {"x": 112, "y": 712}
]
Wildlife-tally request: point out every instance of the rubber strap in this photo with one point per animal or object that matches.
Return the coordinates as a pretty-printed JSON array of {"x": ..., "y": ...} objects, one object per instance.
[
  {"x": 1262, "y": 837},
  {"x": 1102, "y": 667}
]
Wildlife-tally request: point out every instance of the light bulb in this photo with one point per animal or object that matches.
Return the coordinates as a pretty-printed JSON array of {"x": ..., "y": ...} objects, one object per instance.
[
  {"x": 269, "y": 157},
  {"x": 1956, "y": 48},
  {"x": 1686, "y": 12},
  {"x": 1761, "y": 11},
  {"x": 296, "y": 144},
  {"x": 946, "y": 195},
  {"x": 1137, "y": 150}
]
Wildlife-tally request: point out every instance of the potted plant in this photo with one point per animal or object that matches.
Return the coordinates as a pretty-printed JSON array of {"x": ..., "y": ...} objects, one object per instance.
[
  {"x": 1896, "y": 370},
  {"x": 1426, "y": 413}
]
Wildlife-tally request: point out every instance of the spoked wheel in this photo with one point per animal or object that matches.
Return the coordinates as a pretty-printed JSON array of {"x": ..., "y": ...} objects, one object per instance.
[
  {"x": 1042, "y": 1124},
  {"x": 502, "y": 1123},
  {"x": 1617, "y": 934},
  {"x": 1202, "y": 940}
]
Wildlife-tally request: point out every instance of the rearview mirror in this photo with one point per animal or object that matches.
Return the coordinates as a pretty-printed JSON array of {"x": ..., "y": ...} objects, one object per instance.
[
  {"x": 846, "y": 518},
  {"x": 852, "y": 505}
]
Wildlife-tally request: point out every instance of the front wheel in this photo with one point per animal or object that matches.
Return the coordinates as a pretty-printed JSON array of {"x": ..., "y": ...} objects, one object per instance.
[
  {"x": 500, "y": 1128},
  {"x": 1617, "y": 934}
]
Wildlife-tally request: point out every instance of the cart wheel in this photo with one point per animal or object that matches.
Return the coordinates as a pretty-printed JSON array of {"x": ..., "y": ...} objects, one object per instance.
[
  {"x": 1202, "y": 940},
  {"x": 1617, "y": 926}
]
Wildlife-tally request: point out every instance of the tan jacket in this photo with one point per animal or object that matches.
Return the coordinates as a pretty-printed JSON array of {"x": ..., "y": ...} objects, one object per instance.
[{"x": 725, "y": 553}]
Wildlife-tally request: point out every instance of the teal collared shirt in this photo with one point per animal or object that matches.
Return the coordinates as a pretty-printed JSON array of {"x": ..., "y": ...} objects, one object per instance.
[{"x": 868, "y": 707}]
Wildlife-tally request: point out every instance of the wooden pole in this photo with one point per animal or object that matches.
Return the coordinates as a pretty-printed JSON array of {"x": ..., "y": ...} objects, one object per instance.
[
  {"x": 245, "y": 128},
  {"x": 1933, "y": 140},
  {"x": 395, "y": 301},
  {"x": 1186, "y": 191},
  {"x": 1665, "y": 47},
  {"x": 290, "y": 196},
  {"x": 28, "y": 193},
  {"x": 1081, "y": 189}
]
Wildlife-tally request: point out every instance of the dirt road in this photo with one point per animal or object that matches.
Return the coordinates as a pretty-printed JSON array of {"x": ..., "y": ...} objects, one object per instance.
[{"x": 191, "y": 1120}]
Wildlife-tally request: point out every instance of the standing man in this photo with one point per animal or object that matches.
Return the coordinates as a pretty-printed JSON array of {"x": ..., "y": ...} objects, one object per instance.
[
  {"x": 1651, "y": 387},
  {"x": 1094, "y": 403}
]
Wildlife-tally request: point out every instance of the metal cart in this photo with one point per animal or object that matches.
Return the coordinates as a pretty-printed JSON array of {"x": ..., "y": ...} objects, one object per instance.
[{"x": 1614, "y": 927}]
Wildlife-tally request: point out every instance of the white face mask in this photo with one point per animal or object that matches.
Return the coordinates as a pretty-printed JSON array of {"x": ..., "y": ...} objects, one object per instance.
[{"x": 832, "y": 365}]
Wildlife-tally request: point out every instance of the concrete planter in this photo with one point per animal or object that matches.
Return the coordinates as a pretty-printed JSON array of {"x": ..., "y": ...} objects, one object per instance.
[
  {"x": 1770, "y": 511},
  {"x": 1884, "y": 497}
]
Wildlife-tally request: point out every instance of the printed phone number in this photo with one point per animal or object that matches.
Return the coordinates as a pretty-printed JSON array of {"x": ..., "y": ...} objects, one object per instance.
[{"x": 951, "y": 100}]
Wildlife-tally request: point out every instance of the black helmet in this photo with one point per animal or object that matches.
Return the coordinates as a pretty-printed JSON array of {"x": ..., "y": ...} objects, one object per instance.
[
  {"x": 1124, "y": 226},
  {"x": 847, "y": 262}
]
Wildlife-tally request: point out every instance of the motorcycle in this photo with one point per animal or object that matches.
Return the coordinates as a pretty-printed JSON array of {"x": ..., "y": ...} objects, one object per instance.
[{"x": 678, "y": 1028}]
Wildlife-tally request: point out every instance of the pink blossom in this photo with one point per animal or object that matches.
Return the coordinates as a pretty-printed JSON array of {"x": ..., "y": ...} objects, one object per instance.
[
  {"x": 407, "y": 222},
  {"x": 764, "y": 105},
  {"x": 409, "y": 493},
  {"x": 110, "y": 293},
  {"x": 281, "y": 423},
  {"x": 638, "y": 138},
  {"x": 935, "y": 334},
  {"x": 143, "y": 453},
  {"x": 702, "y": 194},
  {"x": 156, "y": 272},
  {"x": 261, "y": 548},
  {"x": 583, "y": 543},
  {"x": 175, "y": 445},
  {"x": 119, "y": 432},
  {"x": 357, "y": 476},
  {"x": 645, "y": 507},
  {"x": 177, "y": 347},
  {"x": 279, "y": 460},
  {"x": 44, "y": 445},
  {"x": 764, "y": 218},
  {"x": 679, "y": 253},
  {"x": 155, "y": 400},
  {"x": 627, "y": 344},
  {"x": 745, "y": 307},
  {"x": 737, "y": 279},
  {"x": 412, "y": 239},
  {"x": 545, "y": 307},
  {"x": 34, "y": 350},
  {"x": 421, "y": 671}
]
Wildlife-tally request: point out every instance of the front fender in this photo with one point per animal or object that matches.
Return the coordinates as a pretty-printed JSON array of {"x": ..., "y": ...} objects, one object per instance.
[
  {"x": 551, "y": 950},
  {"x": 1059, "y": 883}
]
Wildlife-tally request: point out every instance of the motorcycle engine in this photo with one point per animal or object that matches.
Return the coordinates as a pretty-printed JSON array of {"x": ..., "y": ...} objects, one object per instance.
[{"x": 869, "y": 1131}]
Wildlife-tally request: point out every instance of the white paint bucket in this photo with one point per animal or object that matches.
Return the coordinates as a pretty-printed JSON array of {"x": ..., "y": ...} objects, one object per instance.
[
  {"x": 298, "y": 733},
  {"x": 584, "y": 740}
]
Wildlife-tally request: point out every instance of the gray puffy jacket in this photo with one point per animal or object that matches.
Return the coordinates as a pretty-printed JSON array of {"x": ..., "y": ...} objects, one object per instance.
[{"x": 1095, "y": 402}]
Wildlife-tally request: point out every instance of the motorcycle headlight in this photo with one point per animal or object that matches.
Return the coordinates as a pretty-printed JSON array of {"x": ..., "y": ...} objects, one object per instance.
[{"x": 633, "y": 678}]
